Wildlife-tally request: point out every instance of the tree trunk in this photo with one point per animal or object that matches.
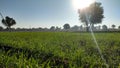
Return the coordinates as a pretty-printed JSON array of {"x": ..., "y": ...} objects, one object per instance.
[
  {"x": 92, "y": 26},
  {"x": 87, "y": 28},
  {"x": 8, "y": 28}
]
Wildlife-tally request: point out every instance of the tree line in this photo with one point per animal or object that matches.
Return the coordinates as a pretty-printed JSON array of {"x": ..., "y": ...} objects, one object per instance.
[{"x": 66, "y": 27}]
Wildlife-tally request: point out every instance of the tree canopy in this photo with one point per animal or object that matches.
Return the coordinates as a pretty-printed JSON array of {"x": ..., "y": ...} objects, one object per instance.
[
  {"x": 113, "y": 26},
  {"x": 118, "y": 27},
  {"x": 66, "y": 26},
  {"x": 1, "y": 28},
  {"x": 93, "y": 13},
  {"x": 8, "y": 22},
  {"x": 52, "y": 28},
  {"x": 104, "y": 27}
]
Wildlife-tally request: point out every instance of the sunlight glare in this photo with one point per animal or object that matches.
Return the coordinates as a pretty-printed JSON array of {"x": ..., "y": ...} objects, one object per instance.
[{"x": 80, "y": 4}]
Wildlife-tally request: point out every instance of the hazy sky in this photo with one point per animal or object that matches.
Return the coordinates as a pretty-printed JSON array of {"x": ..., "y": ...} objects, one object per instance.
[{"x": 46, "y": 13}]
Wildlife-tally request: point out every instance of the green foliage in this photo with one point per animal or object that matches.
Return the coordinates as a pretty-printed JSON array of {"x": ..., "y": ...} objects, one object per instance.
[
  {"x": 66, "y": 26},
  {"x": 58, "y": 50},
  {"x": 94, "y": 13},
  {"x": 1, "y": 28},
  {"x": 113, "y": 26},
  {"x": 118, "y": 27}
]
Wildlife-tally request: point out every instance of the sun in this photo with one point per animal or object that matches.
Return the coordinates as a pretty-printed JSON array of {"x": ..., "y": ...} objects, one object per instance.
[{"x": 80, "y": 4}]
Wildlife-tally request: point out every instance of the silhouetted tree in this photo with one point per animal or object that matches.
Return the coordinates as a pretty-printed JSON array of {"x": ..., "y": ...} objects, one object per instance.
[
  {"x": 118, "y": 27},
  {"x": 58, "y": 28},
  {"x": 104, "y": 27},
  {"x": 18, "y": 28},
  {"x": 8, "y": 22},
  {"x": 66, "y": 26},
  {"x": 1, "y": 28},
  {"x": 81, "y": 27},
  {"x": 93, "y": 13},
  {"x": 75, "y": 28},
  {"x": 52, "y": 28},
  {"x": 113, "y": 26},
  {"x": 99, "y": 27},
  {"x": 40, "y": 28}
]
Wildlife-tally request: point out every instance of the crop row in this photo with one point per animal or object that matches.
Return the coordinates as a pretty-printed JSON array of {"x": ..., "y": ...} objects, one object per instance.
[{"x": 74, "y": 49}]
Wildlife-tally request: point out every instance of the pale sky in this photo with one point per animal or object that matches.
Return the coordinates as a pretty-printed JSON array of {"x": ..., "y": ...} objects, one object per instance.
[{"x": 47, "y": 13}]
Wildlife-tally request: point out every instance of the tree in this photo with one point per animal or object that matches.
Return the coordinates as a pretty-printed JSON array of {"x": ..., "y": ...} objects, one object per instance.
[
  {"x": 104, "y": 27},
  {"x": 81, "y": 27},
  {"x": 75, "y": 28},
  {"x": 93, "y": 13},
  {"x": 8, "y": 22},
  {"x": 58, "y": 28},
  {"x": 118, "y": 27},
  {"x": 1, "y": 28},
  {"x": 52, "y": 28},
  {"x": 99, "y": 27},
  {"x": 66, "y": 26},
  {"x": 113, "y": 26}
]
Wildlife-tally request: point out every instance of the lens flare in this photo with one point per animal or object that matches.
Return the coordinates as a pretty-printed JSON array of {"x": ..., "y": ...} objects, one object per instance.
[
  {"x": 93, "y": 36},
  {"x": 80, "y": 4}
]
